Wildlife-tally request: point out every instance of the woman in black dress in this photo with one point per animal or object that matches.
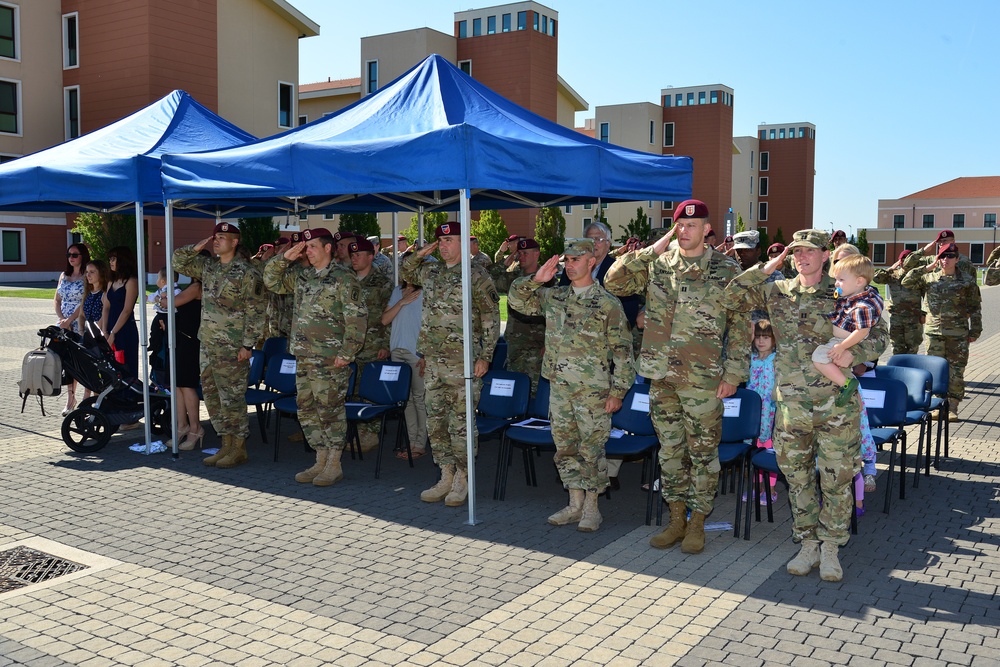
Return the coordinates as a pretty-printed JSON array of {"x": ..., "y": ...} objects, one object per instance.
[
  {"x": 187, "y": 321},
  {"x": 118, "y": 318}
]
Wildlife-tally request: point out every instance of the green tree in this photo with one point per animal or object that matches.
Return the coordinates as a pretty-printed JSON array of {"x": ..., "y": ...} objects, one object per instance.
[
  {"x": 779, "y": 237},
  {"x": 764, "y": 242},
  {"x": 740, "y": 227},
  {"x": 862, "y": 242},
  {"x": 491, "y": 231},
  {"x": 365, "y": 224},
  {"x": 431, "y": 221},
  {"x": 638, "y": 227},
  {"x": 104, "y": 231},
  {"x": 254, "y": 232},
  {"x": 550, "y": 232}
]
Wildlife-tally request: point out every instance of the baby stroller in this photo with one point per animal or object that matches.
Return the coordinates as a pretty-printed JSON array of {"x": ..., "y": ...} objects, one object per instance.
[{"x": 117, "y": 398}]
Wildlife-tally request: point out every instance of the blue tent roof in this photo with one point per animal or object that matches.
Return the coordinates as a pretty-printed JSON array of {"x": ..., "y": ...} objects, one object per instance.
[
  {"x": 118, "y": 164},
  {"x": 415, "y": 143}
]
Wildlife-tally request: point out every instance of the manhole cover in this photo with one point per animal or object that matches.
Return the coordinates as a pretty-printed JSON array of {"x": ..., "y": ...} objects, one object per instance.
[{"x": 23, "y": 566}]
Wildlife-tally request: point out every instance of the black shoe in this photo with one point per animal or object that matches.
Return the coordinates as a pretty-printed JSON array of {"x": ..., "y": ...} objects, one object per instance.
[{"x": 614, "y": 483}]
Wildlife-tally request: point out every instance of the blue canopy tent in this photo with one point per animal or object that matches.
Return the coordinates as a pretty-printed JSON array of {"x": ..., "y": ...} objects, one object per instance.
[
  {"x": 433, "y": 139},
  {"x": 117, "y": 168}
]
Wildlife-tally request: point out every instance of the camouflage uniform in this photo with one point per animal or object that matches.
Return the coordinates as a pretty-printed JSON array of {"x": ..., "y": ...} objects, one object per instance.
[
  {"x": 918, "y": 258},
  {"x": 682, "y": 353},
  {"x": 441, "y": 344},
  {"x": 905, "y": 329},
  {"x": 954, "y": 315},
  {"x": 232, "y": 315},
  {"x": 383, "y": 265},
  {"x": 525, "y": 334},
  {"x": 375, "y": 292},
  {"x": 330, "y": 323},
  {"x": 278, "y": 313},
  {"x": 483, "y": 260},
  {"x": 588, "y": 358},
  {"x": 992, "y": 276},
  {"x": 810, "y": 429}
]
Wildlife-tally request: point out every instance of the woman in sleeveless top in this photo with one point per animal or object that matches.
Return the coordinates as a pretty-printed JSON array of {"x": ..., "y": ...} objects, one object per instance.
[
  {"x": 69, "y": 296},
  {"x": 118, "y": 319}
]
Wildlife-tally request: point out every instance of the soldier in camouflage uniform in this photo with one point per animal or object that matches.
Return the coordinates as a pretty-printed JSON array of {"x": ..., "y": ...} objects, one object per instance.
[
  {"x": 276, "y": 315},
  {"x": 329, "y": 332},
  {"x": 905, "y": 321},
  {"x": 341, "y": 248},
  {"x": 525, "y": 334},
  {"x": 927, "y": 255},
  {"x": 441, "y": 344},
  {"x": 682, "y": 350},
  {"x": 232, "y": 319},
  {"x": 588, "y": 362},
  {"x": 954, "y": 316},
  {"x": 810, "y": 429},
  {"x": 375, "y": 292},
  {"x": 380, "y": 261},
  {"x": 992, "y": 276},
  {"x": 478, "y": 257}
]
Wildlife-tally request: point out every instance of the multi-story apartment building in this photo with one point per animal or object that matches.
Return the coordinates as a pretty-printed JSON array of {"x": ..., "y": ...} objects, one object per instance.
[
  {"x": 966, "y": 205},
  {"x": 68, "y": 67}
]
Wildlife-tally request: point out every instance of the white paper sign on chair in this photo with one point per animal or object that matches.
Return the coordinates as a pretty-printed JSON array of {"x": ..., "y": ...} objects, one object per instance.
[
  {"x": 873, "y": 398},
  {"x": 389, "y": 374},
  {"x": 288, "y": 367},
  {"x": 501, "y": 387},
  {"x": 731, "y": 407},
  {"x": 640, "y": 402}
]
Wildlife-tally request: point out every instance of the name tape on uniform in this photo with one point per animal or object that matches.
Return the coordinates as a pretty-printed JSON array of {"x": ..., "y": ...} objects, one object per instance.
[
  {"x": 287, "y": 367},
  {"x": 389, "y": 374},
  {"x": 731, "y": 407},
  {"x": 640, "y": 402},
  {"x": 873, "y": 398},
  {"x": 502, "y": 388}
]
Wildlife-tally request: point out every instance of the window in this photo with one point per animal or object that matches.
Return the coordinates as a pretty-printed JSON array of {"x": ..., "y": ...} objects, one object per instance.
[
  {"x": 535, "y": 17},
  {"x": 989, "y": 220},
  {"x": 763, "y": 135},
  {"x": 802, "y": 132},
  {"x": 505, "y": 22},
  {"x": 71, "y": 37},
  {"x": 762, "y": 190},
  {"x": 690, "y": 99},
  {"x": 751, "y": 159},
  {"x": 668, "y": 205},
  {"x": 751, "y": 185},
  {"x": 545, "y": 24},
  {"x": 586, "y": 221},
  {"x": 751, "y": 218},
  {"x": 303, "y": 120},
  {"x": 781, "y": 133},
  {"x": 371, "y": 76},
  {"x": 701, "y": 97},
  {"x": 652, "y": 131},
  {"x": 765, "y": 160},
  {"x": 605, "y": 131},
  {"x": 912, "y": 247},
  {"x": 304, "y": 215},
  {"x": 929, "y": 221},
  {"x": 465, "y": 66},
  {"x": 71, "y": 111},
  {"x": 491, "y": 25},
  {"x": 976, "y": 253},
  {"x": 522, "y": 20},
  {"x": 650, "y": 205},
  {"x": 668, "y": 134},
  {"x": 666, "y": 100},
  {"x": 878, "y": 253},
  {"x": 10, "y": 103},
  {"x": 552, "y": 27},
  {"x": 770, "y": 134},
  {"x": 898, "y": 221},
  {"x": 463, "y": 29},
  {"x": 477, "y": 27},
  {"x": 958, "y": 220},
  {"x": 8, "y": 31},
  {"x": 569, "y": 209},
  {"x": 762, "y": 211},
  {"x": 328, "y": 216},
  {"x": 285, "y": 98},
  {"x": 715, "y": 97},
  {"x": 666, "y": 222},
  {"x": 588, "y": 207},
  {"x": 13, "y": 250},
  {"x": 679, "y": 100}
]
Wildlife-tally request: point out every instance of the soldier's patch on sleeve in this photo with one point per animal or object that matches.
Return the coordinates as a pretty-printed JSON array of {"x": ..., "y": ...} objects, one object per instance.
[
  {"x": 494, "y": 296},
  {"x": 355, "y": 294},
  {"x": 258, "y": 287}
]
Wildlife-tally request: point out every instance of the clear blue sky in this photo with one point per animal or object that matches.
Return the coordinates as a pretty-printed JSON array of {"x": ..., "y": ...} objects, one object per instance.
[{"x": 904, "y": 95}]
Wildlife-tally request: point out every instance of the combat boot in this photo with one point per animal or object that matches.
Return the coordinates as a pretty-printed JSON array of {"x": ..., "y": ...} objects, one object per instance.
[
  {"x": 237, "y": 453},
  {"x": 459, "y": 488},
  {"x": 805, "y": 560},
  {"x": 437, "y": 493},
  {"x": 953, "y": 411},
  {"x": 591, "y": 519},
  {"x": 694, "y": 536},
  {"x": 227, "y": 444},
  {"x": 573, "y": 512},
  {"x": 308, "y": 475},
  {"x": 332, "y": 471},
  {"x": 675, "y": 530},
  {"x": 829, "y": 563},
  {"x": 369, "y": 441}
]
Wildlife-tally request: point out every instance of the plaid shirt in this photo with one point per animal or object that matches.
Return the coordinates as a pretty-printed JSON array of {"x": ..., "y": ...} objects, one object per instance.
[{"x": 859, "y": 311}]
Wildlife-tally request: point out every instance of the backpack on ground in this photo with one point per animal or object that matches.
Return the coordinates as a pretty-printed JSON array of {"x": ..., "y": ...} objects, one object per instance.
[{"x": 41, "y": 375}]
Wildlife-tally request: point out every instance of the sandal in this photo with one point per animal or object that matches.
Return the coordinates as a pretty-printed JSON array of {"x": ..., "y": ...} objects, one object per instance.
[
  {"x": 870, "y": 484},
  {"x": 414, "y": 453}
]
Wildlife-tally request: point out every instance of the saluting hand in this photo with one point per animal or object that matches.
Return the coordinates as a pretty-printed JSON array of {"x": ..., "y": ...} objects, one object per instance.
[
  {"x": 547, "y": 271},
  {"x": 200, "y": 245},
  {"x": 427, "y": 249},
  {"x": 661, "y": 243},
  {"x": 775, "y": 262},
  {"x": 294, "y": 252}
]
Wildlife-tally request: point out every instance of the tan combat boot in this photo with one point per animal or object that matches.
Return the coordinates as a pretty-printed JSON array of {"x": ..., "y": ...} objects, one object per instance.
[
  {"x": 309, "y": 474},
  {"x": 437, "y": 493},
  {"x": 573, "y": 512},
  {"x": 591, "y": 519},
  {"x": 227, "y": 444},
  {"x": 459, "y": 488},
  {"x": 369, "y": 441},
  {"x": 829, "y": 564},
  {"x": 805, "y": 560},
  {"x": 674, "y": 532},
  {"x": 694, "y": 536},
  {"x": 332, "y": 472},
  {"x": 237, "y": 454},
  {"x": 953, "y": 411}
]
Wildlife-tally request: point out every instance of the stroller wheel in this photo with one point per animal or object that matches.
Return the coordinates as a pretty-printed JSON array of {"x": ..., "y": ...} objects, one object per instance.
[
  {"x": 160, "y": 417},
  {"x": 86, "y": 430}
]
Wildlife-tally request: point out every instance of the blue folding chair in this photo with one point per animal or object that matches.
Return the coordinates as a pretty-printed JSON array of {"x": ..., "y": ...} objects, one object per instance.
[
  {"x": 918, "y": 408},
  {"x": 273, "y": 346},
  {"x": 885, "y": 403},
  {"x": 740, "y": 431},
  {"x": 279, "y": 382},
  {"x": 256, "y": 375},
  {"x": 502, "y": 401},
  {"x": 289, "y": 407},
  {"x": 499, "y": 355},
  {"x": 938, "y": 368},
  {"x": 383, "y": 390},
  {"x": 528, "y": 439},
  {"x": 633, "y": 438}
]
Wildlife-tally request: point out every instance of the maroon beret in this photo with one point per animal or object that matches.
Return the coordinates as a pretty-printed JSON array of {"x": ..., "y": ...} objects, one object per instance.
[
  {"x": 340, "y": 236},
  {"x": 903, "y": 255},
  {"x": 512, "y": 238},
  {"x": 448, "y": 229},
  {"x": 318, "y": 233},
  {"x": 282, "y": 240},
  {"x": 690, "y": 208},
  {"x": 226, "y": 228},
  {"x": 948, "y": 250},
  {"x": 361, "y": 245},
  {"x": 839, "y": 234},
  {"x": 527, "y": 244},
  {"x": 944, "y": 234}
]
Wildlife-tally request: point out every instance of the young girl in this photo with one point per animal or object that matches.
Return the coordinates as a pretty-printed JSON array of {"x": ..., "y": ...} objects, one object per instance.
[
  {"x": 864, "y": 481},
  {"x": 762, "y": 381}
]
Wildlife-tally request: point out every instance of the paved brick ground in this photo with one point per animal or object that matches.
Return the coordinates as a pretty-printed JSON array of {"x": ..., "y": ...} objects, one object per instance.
[{"x": 246, "y": 567}]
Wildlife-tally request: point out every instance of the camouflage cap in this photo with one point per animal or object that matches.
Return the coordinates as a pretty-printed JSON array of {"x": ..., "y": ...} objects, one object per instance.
[
  {"x": 577, "y": 247},
  {"x": 747, "y": 240},
  {"x": 810, "y": 238}
]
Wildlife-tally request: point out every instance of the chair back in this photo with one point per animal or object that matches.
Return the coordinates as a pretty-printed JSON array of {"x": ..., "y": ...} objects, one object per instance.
[
  {"x": 256, "y": 375},
  {"x": 353, "y": 379},
  {"x": 385, "y": 382},
  {"x": 504, "y": 395},
  {"x": 539, "y": 404},
  {"x": 885, "y": 401},
  {"x": 936, "y": 366},
  {"x": 499, "y": 355},
  {"x": 273, "y": 346},
  {"x": 634, "y": 417},
  {"x": 741, "y": 416},
  {"x": 280, "y": 373},
  {"x": 917, "y": 381}
]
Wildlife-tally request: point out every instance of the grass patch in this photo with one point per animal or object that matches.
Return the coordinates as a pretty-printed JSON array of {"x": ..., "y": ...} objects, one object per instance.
[
  {"x": 503, "y": 307},
  {"x": 30, "y": 293}
]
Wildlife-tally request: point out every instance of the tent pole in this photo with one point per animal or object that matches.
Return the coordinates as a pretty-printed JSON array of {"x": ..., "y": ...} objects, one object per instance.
[
  {"x": 470, "y": 409},
  {"x": 420, "y": 226},
  {"x": 140, "y": 256},
  {"x": 395, "y": 248},
  {"x": 168, "y": 243}
]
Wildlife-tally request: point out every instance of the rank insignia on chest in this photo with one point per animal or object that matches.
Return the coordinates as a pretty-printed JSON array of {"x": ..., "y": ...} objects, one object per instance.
[{"x": 684, "y": 288}]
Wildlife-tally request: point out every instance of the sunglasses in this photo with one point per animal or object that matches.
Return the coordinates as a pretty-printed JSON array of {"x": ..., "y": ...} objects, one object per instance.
[{"x": 72, "y": 254}]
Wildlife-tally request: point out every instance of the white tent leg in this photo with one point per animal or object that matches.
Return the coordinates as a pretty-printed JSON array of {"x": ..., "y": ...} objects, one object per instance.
[
  {"x": 470, "y": 409},
  {"x": 168, "y": 244},
  {"x": 395, "y": 248},
  {"x": 140, "y": 256}
]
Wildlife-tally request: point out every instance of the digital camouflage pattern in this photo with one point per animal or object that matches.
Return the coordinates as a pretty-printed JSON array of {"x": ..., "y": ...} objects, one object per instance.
[
  {"x": 375, "y": 292},
  {"x": 232, "y": 315},
  {"x": 383, "y": 264},
  {"x": 588, "y": 358},
  {"x": 682, "y": 352},
  {"x": 918, "y": 258},
  {"x": 954, "y": 315},
  {"x": 810, "y": 429},
  {"x": 992, "y": 276},
  {"x": 525, "y": 334},
  {"x": 483, "y": 260},
  {"x": 905, "y": 329}
]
